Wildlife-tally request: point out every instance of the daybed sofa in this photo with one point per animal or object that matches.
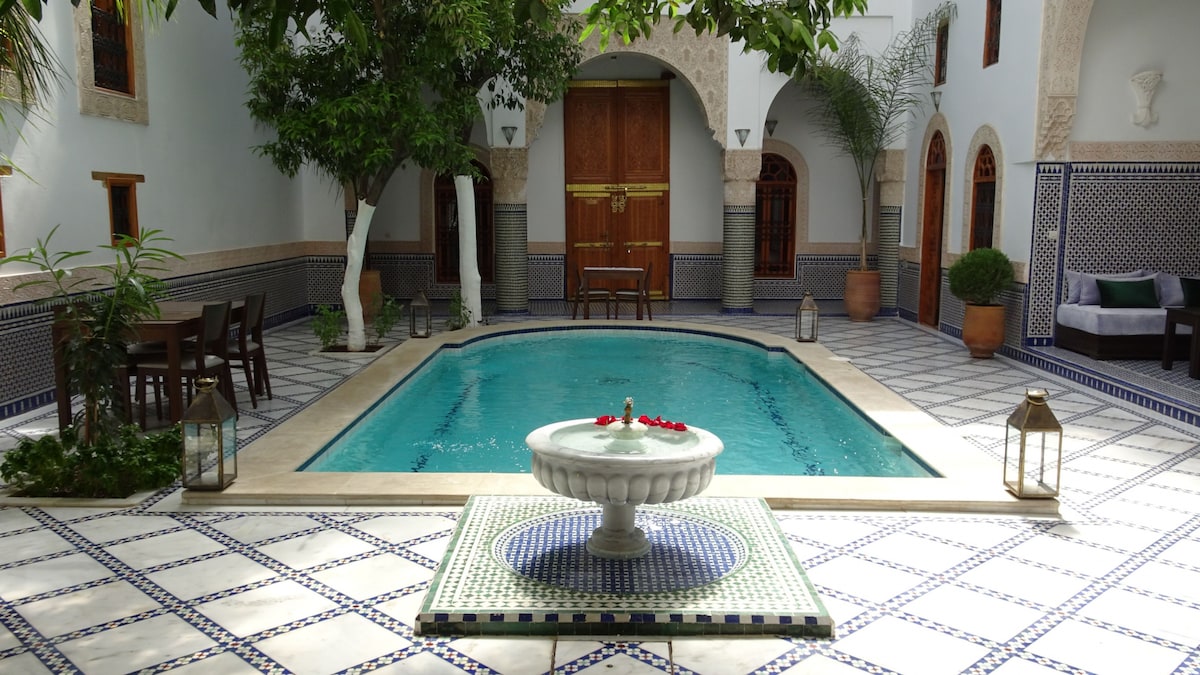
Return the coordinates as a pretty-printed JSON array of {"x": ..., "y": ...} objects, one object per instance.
[{"x": 1127, "y": 322}]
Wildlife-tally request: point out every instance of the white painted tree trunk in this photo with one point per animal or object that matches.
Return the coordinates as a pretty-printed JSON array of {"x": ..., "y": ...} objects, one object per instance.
[
  {"x": 356, "y": 246},
  {"x": 468, "y": 256}
]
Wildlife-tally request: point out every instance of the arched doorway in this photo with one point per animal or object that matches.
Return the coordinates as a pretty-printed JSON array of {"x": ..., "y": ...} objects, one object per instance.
[
  {"x": 931, "y": 231},
  {"x": 446, "y": 228},
  {"x": 775, "y": 219}
]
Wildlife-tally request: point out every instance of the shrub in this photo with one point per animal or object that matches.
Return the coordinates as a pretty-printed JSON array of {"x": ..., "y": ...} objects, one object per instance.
[
  {"x": 387, "y": 314},
  {"x": 460, "y": 314},
  {"x": 112, "y": 466},
  {"x": 327, "y": 325},
  {"x": 979, "y": 276}
]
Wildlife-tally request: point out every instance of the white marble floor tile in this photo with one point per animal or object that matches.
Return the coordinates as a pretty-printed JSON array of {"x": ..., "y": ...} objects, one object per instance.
[
  {"x": 251, "y": 529},
  {"x": 720, "y": 655},
  {"x": 1024, "y": 581},
  {"x": 1177, "y": 480},
  {"x": 1166, "y": 498},
  {"x": 1168, "y": 620},
  {"x": 980, "y": 535},
  {"x": 1115, "y": 535},
  {"x": 23, "y": 581},
  {"x": 164, "y": 548},
  {"x": 517, "y": 655},
  {"x": 399, "y": 529},
  {"x": 315, "y": 548},
  {"x": 1020, "y": 666},
  {"x": 1150, "y": 517},
  {"x": 373, "y": 576},
  {"x": 73, "y": 611},
  {"x": 24, "y": 664},
  {"x": 819, "y": 664},
  {"x": 974, "y": 612},
  {"x": 220, "y": 664},
  {"x": 1105, "y": 466},
  {"x": 273, "y": 605},
  {"x": 1134, "y": 454},
  {"x": 862, "y": 579},
  {"x": 103, "y": 530},
  {"x": 331, "y": 645},
  {"x": 831, "y": 532},
  {"x": 909, "y": 649},
  {"x": 7, "y": 639},
  {"x": 434, "y": 549},
  {"x": 913, "y": 551},
  {"x": 220, "y": 573},
  {"x": 1185, "y": 551},
  {"x": 1102, "y": 652},
  {"x": 12, "y": 520},
  {"x": 1068, "y": 555},
  {"x": 1168, "y": 580},
  {"x": 31, "y": 545},
  {"x": 426, "y": 663},
  {"x": 404, "y": 608},
  {"x": 134, "y": 646}
]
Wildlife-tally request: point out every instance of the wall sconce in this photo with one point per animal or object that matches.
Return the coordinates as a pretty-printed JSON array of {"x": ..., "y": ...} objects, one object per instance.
[
  {"x": 1032, "y": 434},
  {"x": 807, "y": 316},
  {"x": 937, "y": 100},
  {"x": 509, "y": 132},
  {"x": 742, "y": 134},
  {"x": 771, "y": 127}
]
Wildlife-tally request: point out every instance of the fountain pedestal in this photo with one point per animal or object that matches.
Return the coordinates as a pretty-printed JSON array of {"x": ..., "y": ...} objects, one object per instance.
[{"x": 621, "y": 471}]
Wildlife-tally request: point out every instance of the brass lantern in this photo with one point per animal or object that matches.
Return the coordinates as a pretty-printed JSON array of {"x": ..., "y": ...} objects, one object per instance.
[
  {"x": 420, "y": 318},
  {"x": 1033, "y": 448},
  {"x": 209, "y": 427},
  {"x": 807, "y": 316}
]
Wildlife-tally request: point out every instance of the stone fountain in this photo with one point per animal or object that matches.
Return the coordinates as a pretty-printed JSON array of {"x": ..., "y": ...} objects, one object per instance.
[{"x": 622, "y": 465}]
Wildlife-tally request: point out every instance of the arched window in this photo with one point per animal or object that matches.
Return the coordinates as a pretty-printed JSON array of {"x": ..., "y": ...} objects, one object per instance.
[
  {"x": 775, "y": 219},
  {"x": 983, "y": 199},
  {"x": 446, "y": 228}
]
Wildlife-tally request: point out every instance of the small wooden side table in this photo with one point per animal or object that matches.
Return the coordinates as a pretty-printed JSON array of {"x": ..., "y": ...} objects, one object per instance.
[{"x": 1188, "y": 316}]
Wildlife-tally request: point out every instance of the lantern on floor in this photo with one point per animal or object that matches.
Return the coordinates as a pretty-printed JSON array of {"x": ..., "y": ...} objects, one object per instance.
[
  {"x": 420, "y": 318},
  {"x": 806, "y": 319},
  {"x": 1033, "y": 448},
  {"x": 209, "y": 428}
]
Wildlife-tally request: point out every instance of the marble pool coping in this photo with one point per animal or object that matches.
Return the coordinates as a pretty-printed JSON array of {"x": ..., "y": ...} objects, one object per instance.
[{"x": 968, "y": 481}]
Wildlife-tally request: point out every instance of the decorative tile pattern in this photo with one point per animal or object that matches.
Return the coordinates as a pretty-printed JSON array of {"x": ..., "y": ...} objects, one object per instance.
[
  {"x": 477, "y": 592},
  {"x": 737, "y": 268},
  {"x": 889, "y": 254},
  {"x": 512, "y": 262},
  {"x": 909, "y": 592}
]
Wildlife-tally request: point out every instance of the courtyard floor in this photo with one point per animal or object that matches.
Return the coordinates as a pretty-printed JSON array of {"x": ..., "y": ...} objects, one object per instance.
[{"x": 1112, "y": 586}]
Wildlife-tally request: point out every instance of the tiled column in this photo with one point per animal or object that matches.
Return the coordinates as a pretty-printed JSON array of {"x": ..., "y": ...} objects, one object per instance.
[
  {"x": 742, "y": 168},
  {"x": 510, "y": 171},
  {"x": 889, "y": 174}
]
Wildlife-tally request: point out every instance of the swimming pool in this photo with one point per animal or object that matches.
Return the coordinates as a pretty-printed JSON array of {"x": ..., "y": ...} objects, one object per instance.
[{"x": 469, "y": 409}]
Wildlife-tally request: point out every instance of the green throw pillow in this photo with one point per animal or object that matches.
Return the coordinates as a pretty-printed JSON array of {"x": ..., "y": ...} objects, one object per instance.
[
  {"x": 1191, "y": 291},
  {"x": 1127, "y": 293}
]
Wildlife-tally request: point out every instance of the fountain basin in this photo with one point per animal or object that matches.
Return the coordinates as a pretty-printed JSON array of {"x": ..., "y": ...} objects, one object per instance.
[{"x": 585, "y": 461}]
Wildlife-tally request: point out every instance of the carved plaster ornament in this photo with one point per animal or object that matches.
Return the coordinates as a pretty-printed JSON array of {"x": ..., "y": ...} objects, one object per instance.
[{"x": 1144, "y": 84}]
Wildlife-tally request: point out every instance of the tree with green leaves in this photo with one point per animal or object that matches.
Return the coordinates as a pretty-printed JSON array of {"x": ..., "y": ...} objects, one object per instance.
[
  {"x": 863, "y": 99},
  {"x": 410, "y": 95}
]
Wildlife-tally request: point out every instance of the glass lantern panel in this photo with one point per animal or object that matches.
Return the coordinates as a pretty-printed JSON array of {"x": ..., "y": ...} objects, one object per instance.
[
  {"x": 229, "y": 432},
  {"x": 1032, "y": 470},
  {"x": 200, "y": 448}
]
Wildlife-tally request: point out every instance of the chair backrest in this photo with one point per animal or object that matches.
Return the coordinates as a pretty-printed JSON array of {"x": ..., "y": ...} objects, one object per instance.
[
  {"x": 252, "y": 319},
  {"x": 214, "y": 328}
]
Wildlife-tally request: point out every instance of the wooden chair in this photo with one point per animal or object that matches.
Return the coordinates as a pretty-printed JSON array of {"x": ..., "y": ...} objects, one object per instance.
[
  {"x": 209, "y": 356},
  {"x": 248, "y": 349},
  {"x": 589, "y": 295},
  {"x": 631, "y": 295}
]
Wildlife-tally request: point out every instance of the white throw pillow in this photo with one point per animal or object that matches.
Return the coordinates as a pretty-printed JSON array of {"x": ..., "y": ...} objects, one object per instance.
[{"x": 1170, "y": 290}]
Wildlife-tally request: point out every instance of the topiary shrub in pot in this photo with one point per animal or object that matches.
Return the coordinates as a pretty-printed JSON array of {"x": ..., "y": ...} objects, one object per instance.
[{"x": 978, "y": 278}]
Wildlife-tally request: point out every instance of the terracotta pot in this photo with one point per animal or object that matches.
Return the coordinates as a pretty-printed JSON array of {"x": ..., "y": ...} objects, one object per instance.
[
  {"x": 370, "y": 293},
  {"x": 983, "y": 329},
  {"x": 862, "y": 294}
]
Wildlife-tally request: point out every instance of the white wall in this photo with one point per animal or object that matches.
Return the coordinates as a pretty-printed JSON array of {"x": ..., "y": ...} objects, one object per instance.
[
  {"x": 1126, "y": 38},
  {"x": 204, "y": 186},
  {"x": 1004, "y": 96}
]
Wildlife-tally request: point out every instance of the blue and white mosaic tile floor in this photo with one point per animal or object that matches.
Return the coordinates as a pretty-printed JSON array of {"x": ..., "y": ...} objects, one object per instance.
[{"x": 1111, "y": 587}]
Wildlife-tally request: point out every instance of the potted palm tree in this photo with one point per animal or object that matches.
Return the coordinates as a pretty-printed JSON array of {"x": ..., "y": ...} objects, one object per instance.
[
  {"x": 978, "y": 278},
  {"x": 862, "y": 103}
]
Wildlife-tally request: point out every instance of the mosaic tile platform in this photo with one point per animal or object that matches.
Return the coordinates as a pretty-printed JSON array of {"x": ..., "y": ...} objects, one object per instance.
[{"x": 517, "y": 566}]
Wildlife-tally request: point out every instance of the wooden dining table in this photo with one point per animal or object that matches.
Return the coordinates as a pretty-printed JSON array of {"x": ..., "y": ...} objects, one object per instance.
[
  {"x": 177, "y": 321},
  {"x": 637, "y": 274}
]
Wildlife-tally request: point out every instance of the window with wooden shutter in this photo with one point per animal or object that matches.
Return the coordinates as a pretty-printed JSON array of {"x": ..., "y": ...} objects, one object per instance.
[
  {"x": 122, "y": 202},
  {"x": 775, "y": 219},
  {"x": 991, "y": 37},
  {"x": 112, "y": 44},
  {"x": 940, "y": 56},
  {"x": 983, "y": 199}
]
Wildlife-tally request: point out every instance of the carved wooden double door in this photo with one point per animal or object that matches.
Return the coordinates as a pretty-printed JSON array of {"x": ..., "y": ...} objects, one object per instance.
[{"x": 617, "y": 148}]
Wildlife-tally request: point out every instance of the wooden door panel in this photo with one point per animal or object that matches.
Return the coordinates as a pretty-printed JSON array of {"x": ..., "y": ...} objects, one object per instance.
[
  {"x": 644, "y": 141},
  {"x": 931, "y": 248},
  {"x": 590, "y": 116}
]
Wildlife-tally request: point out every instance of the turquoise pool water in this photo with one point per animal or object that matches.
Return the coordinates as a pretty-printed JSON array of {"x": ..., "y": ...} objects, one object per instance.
[{"x": 469, "y": 409}]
